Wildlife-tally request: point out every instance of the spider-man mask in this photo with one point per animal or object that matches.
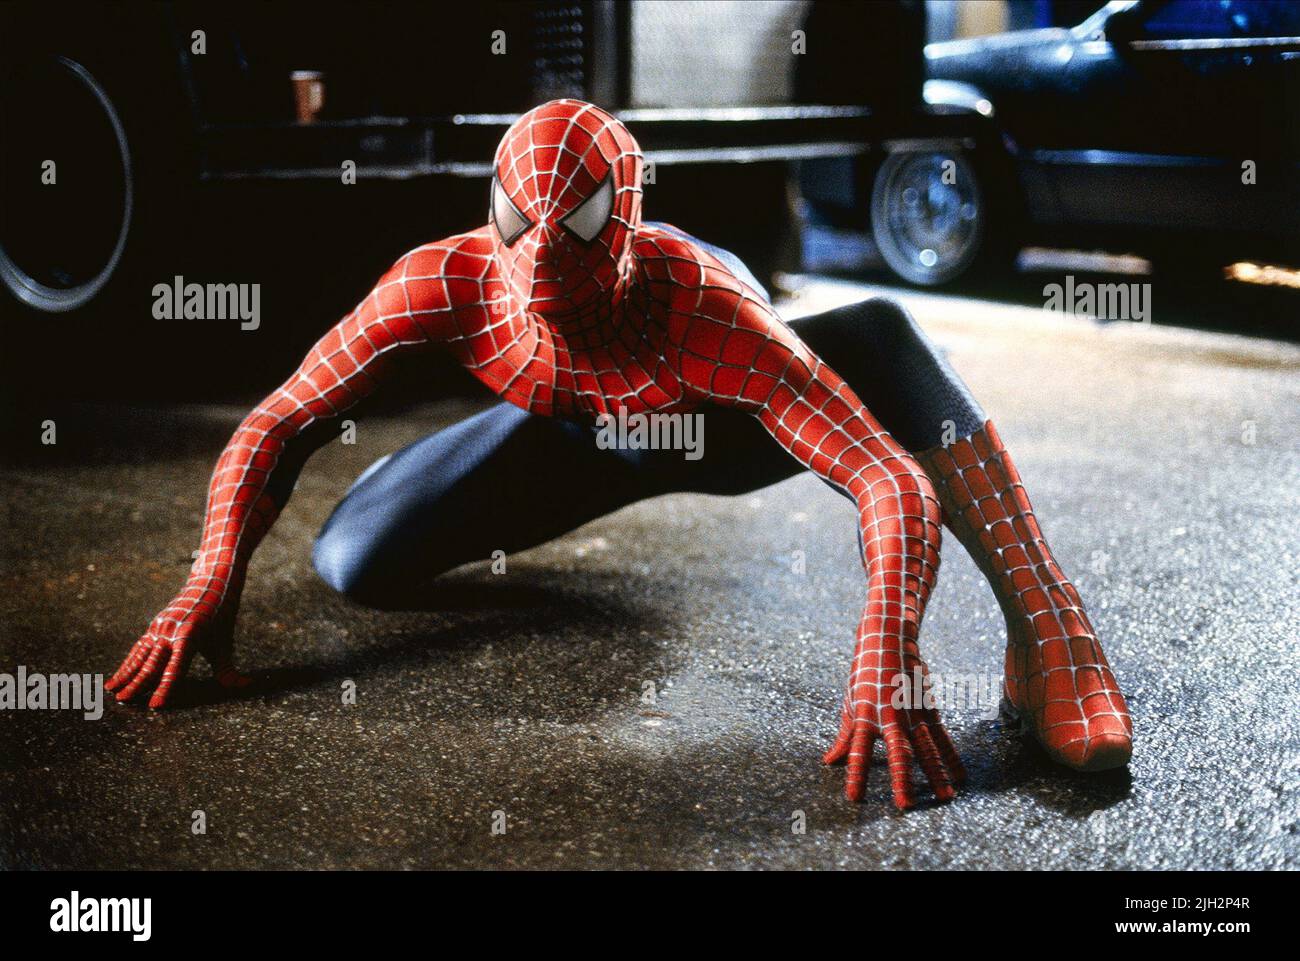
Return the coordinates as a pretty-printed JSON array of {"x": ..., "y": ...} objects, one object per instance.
[{"x": 566, "y": 201}]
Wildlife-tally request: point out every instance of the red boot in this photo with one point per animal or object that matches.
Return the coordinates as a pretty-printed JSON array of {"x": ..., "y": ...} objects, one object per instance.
[{"x": 1057, "y": 679}]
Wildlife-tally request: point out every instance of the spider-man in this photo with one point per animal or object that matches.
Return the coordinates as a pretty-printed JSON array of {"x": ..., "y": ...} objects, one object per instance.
[{"x": 568, "y": 306}]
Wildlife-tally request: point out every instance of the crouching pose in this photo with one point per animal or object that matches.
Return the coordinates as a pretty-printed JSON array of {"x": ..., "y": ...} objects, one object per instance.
[{"x": 569, "y": 307}]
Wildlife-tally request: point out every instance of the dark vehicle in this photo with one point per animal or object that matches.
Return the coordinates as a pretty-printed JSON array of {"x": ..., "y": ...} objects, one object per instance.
[{"x": 1173, "y": 127}]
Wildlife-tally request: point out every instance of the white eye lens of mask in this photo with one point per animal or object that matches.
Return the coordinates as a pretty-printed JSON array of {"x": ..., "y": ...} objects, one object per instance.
[
  {"x": 590, "y": 216},
  {"x": 510, "y": 222}
]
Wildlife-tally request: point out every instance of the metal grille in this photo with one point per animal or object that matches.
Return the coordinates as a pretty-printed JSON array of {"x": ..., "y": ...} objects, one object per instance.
[{"x": 560, "y": 59}]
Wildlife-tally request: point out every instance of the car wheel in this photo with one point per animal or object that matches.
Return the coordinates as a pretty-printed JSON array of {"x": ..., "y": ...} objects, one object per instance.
[
  {"x": 67, "y": 192},
  {"x": 929, "y": 215}
]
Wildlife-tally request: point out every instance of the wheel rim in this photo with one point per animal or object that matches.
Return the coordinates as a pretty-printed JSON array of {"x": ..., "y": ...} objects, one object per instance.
[
  {"x": 60, "y": 243},
  {"x": 928, "y": 215}
]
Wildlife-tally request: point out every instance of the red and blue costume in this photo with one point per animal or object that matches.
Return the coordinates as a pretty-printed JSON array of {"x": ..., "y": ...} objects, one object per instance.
[{"x": 568, "y": 306}]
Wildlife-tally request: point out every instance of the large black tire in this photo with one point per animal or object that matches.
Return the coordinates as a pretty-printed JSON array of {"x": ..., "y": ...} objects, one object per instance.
[
  {"x": 69, "y": 187},
  {"x": 97, "y": 90}
]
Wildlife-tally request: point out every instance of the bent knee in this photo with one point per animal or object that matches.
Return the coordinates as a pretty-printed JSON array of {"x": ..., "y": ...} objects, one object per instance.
[
  {"x": 868, "y": 343},
  {"x": 349, "y": 565},
  {"x": 878, "y": 321},
  {"x": 383, "y": 568},
  {"x": 336, "y": 561}
]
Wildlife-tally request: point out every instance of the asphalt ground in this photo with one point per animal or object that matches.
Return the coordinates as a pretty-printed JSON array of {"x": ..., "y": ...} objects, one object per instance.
[{"x": 1162, "y": 462}]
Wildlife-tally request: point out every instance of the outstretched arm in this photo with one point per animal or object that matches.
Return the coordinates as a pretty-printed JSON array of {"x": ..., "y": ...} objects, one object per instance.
[
  {"x": 255, "y": 473},
  {"x": 733, "y": 350}
]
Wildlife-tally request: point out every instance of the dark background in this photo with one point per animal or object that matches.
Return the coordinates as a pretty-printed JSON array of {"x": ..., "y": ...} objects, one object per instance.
[{"x": 316, "y": 246}]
